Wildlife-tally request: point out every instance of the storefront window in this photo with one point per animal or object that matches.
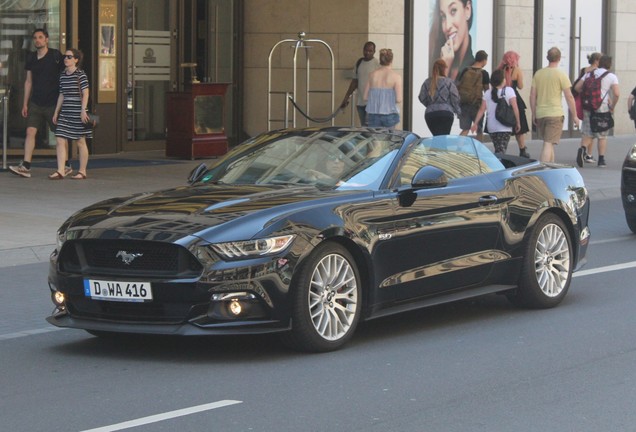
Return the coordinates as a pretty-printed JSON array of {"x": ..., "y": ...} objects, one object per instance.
[{"x": 17, "y": 22}]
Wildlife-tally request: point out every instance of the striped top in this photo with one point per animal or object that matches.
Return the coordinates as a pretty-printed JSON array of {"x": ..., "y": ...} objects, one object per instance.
[{"x": 69, "y": 120}]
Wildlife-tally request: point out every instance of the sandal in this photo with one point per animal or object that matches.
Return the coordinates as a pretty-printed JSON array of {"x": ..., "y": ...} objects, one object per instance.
[
  {"x": 79, "y": 176},
  {"x": 56, "y": 176}
]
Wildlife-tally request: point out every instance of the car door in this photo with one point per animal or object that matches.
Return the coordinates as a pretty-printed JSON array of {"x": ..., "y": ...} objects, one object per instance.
[{"x": 444, "y": 236}]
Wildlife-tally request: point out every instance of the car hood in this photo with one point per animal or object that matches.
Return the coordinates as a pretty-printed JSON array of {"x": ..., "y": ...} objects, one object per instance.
[{"x": 222, "y": 211}]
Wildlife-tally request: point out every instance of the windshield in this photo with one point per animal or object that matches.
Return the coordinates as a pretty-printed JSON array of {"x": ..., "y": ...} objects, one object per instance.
[{"x": 342, "y": 159}]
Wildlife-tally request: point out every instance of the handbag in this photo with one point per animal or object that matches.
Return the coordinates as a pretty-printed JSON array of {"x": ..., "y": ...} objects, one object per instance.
[
  {"x": 601, "y": 121},
  {"x": 93, "y": 119},
  {"x": 504, "y": 112}
]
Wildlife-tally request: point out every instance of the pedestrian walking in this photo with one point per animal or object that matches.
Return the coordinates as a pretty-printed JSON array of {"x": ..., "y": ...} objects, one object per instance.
[
  {"x": 584, "y": 154},
  {"x": 440, "y": 97},
  {"x": 631, "y": 106},
  {"x": 601, "y": 94},
  {"x": 471, "y": 85},
  {"x": 71, "y": 116},
  {"x": 41, "y": 88},
  {"x": 363, "y": 67},
  {"x": 383, "y": 93},
  {"x": 548, "y": 86},
  {"x": 514, "y": 79},
  {"x": 499, "y": 132}
]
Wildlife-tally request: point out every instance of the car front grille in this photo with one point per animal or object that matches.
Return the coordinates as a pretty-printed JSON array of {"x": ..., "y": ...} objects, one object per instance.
[{"x": 128, "y": 258}]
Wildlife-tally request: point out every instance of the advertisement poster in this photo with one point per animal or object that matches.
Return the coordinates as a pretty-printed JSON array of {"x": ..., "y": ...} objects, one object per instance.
[{"x": 451, "y": 29}]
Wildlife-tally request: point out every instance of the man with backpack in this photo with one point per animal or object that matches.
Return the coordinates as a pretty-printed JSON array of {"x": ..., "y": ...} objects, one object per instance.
[
  {"x": 471, "y": 85},
  {"x": 599, "y": 94},
  {"x": 548, "y": 84},
  {"x": 364, "y": 66}
]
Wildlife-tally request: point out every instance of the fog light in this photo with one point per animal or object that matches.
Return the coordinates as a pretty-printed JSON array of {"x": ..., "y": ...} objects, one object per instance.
[
  {"x": 235, "y": 307},
  {"x": 58, "y": 298},
  {"x": 630, "y": 198}
]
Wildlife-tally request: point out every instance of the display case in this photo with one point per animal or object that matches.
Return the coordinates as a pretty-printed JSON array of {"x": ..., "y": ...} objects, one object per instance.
[{"x": 195, "y": 121}]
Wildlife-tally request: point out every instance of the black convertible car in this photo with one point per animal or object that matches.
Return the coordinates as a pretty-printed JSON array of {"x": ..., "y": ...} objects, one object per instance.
[{"x": 306, "y": 232}]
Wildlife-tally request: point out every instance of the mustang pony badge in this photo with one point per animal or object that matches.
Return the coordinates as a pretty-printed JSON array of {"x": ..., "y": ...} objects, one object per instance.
[{"x": 127, "y": 257}]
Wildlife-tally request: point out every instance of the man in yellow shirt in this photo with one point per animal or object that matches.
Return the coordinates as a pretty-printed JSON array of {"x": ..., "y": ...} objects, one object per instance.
[{"x": 548, "y": 84}]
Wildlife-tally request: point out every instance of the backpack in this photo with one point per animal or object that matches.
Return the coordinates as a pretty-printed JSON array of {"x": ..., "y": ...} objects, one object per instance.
[
  {"x": 591, "y": 92},
  {"x": 470, "y": 86}
]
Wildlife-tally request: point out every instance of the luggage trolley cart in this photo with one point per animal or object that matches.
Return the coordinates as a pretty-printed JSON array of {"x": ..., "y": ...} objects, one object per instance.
[
  {"x": 290, "y": 94},
  {"x": 4, "y": 94}
]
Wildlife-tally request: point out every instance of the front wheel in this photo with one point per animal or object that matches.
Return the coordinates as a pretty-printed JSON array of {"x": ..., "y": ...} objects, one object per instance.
[
  {"x": 547, "y": 266},
  {"x": 326, "y": 300},
  {"x": 631, "y": 222}
]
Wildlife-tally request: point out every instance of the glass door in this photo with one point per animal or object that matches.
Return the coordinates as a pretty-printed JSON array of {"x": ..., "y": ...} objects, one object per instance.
[
  {"x": 149, "y": 68},
  {"x": 18, "y": 19}
]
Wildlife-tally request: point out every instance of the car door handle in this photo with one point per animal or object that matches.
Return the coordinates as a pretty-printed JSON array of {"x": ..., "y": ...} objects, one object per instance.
[{"x": 487, "y": 200}]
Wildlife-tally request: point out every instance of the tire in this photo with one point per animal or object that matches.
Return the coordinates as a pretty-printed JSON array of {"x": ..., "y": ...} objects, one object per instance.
[
  {"x": 547, "y": 266},
  {"x": 326, "y": 301},
  {"x": 631, "y": 222}
]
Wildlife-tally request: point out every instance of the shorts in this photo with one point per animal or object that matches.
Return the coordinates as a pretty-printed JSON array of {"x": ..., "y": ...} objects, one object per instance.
[
  {"x": 382, "y": 120},
  {"x": 467, "y": 117},
  {"x": 38, "y": 115},
  {"x": 586, "y": 128},
  {"x": 550, "y": 129}
]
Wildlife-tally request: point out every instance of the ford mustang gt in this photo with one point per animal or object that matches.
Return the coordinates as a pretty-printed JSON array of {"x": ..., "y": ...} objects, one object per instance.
[
  {"x": 306, "y": 232},
  {"x": 628, "y": 188}
]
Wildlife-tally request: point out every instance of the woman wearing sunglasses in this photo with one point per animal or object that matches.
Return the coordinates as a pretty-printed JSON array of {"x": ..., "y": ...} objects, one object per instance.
[{"x": 70, "y": 115}]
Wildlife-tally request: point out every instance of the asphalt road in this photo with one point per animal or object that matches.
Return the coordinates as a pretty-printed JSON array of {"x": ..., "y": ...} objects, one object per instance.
[{"x": 478, "y": 365}]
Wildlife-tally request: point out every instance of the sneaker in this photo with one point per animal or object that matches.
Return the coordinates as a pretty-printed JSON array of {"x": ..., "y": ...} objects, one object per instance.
[
  {"x": 580, "y": 153},
  {"x": 524, "y": 153},
  {"x": 589, "y": 159},
  {"x": 67, "y": 170},
  {"x": 20, "y": 170},
  {"x": 601, "y": 162}
]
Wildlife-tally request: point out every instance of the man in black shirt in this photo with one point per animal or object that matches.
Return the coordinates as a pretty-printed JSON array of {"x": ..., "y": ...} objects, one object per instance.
[{"x": 41, "y": 89}]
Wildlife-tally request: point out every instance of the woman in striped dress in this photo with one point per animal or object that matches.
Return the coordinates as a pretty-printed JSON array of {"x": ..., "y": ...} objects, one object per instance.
[{"x": 70, "y": 115}]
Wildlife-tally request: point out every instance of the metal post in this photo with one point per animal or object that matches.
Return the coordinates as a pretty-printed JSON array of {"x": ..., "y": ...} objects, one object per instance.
[{"x": 5, "y": 123}]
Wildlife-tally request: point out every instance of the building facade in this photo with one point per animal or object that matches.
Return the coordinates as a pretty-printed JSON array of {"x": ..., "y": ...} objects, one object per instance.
[{"x": 140, "y": 51}]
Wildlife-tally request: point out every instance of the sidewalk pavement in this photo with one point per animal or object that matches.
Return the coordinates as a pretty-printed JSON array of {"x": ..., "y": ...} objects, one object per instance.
[{"x": 34, "y": 208}]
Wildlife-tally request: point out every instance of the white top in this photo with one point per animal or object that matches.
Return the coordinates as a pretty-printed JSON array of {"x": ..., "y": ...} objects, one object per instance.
[
  {"x": 362, "y": 75},
  {"x": 491, "y": 107},
  {"x": 608, "y": 80}
]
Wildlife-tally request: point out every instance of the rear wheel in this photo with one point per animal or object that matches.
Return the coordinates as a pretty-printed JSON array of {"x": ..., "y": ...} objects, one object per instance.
[
  {"x": 326, "y": 300},
  {"x": 547, "y": 267}
]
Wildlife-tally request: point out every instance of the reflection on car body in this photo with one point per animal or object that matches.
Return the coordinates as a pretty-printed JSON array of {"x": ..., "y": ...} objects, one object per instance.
[{"x": 257, "y": 243}]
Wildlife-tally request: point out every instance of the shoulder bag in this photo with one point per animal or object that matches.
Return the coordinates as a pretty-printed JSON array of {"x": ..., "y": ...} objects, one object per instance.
[
  {"x": 93, "y": 119},
  {"x": 504, "y": 112},
  {"x": 601, "y": 121}
]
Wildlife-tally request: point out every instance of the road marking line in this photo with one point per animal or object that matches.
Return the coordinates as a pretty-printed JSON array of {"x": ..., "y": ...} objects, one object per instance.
[
  {"x": 165, "y": 416},
  {"x": 605, "y": 269},
  {"x": 24, "y": 333}
]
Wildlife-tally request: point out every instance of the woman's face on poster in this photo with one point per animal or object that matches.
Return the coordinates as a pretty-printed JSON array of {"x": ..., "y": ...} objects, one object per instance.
[{"x": 454, "y": 18}]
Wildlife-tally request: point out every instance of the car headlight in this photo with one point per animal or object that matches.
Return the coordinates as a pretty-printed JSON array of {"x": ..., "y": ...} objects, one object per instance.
[
  {"x": 252, "y": 248},
  {"x": 632, "y": 153}
]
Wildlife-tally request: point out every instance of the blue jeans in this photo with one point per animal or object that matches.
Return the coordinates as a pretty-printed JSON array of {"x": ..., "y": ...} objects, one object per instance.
[{"x": 383, "y": 120}]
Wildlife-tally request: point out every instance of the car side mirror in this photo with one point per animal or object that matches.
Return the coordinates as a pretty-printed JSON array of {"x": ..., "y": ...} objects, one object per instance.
[
  {"x": 429, "y": 177},
  {"x": 197, "y": 173}
]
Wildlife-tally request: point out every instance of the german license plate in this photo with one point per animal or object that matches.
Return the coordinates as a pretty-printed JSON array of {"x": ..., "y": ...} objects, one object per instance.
[{"x": 118, "y": 290}]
